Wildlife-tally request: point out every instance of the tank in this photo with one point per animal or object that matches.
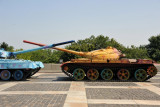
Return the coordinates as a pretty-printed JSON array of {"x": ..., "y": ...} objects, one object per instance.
[
  {"x": 106, "y": 64},
  {"x": 19, "y": 69}
]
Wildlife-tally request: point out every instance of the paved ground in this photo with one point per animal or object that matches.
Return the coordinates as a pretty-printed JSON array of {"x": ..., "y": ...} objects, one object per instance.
[{"x": 56, "y": 89}]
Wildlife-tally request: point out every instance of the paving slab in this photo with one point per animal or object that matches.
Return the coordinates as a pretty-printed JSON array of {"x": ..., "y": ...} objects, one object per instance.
[
  {"x": 150, "y": 87},
  {"x": 40, "y": 87},
  {"x": 49, "y": 78},
  {"x": 157, "y": 75},
  {"x": 2, "y": 83},
  {"x": 110, "y": 84},
  {"x": 123, "y": 102},
  {"x": 157, "y": 85},
  {"x": 118, "y": 87},
  {"x": 46, "y": 100},
  {"x": 135, "y": 94},
  {"x": 7, "y": 85},
  {"x": 32, "y": 92},
  {"x": 76, "y": 96},
  {"x": 154, "y": 80},
  {"x": 54, "y": 74},
  {"x": 120, "y": 105},
  {"x": 42, "y": 79}
]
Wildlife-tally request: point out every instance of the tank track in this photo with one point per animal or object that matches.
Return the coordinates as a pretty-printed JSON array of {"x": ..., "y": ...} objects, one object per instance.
[
  {"x": 33, "y": 72},
  {"x": 26, "y": 74},
  {"x": 70, "y": 75}
]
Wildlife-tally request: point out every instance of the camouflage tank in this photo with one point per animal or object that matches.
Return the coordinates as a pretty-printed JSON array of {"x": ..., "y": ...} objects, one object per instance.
[{"x": 106, "y": 63}]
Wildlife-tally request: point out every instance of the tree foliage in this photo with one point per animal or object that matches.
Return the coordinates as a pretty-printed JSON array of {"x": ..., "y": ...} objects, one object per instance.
[
  {"x": 136, "y": 52},
  {"x": 153, "y": 47},
  {"x": 6, "y": 47},
  {"x": 46, "y": 56}
]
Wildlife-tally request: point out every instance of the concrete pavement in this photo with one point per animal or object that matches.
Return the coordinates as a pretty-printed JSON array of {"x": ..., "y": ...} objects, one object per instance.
[{"x": 57, "y": 90}]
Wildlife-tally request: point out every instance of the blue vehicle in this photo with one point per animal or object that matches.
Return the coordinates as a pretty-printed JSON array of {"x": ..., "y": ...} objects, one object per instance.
[{"x": 20, "y": 69}]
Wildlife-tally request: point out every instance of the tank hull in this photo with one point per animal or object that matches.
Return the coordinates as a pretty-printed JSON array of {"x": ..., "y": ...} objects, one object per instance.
[
  {"x": 18, "y": 69},
  {"x": 124, "y": 70}
]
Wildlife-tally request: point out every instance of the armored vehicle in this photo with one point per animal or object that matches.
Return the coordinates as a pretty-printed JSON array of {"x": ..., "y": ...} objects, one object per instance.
[
  {"x": 106, "y": 64},
  {"x": 20, "y": 69}
]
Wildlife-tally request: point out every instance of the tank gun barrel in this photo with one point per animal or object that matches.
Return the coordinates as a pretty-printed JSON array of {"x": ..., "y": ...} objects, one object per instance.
[
  {"x": 5, "y": 54},
  {"x": 30, "y": 50},
  {"x": 25, "y": 41},
  {"x": 43, "y": 47},
  {"x": 60, "y": 49}
]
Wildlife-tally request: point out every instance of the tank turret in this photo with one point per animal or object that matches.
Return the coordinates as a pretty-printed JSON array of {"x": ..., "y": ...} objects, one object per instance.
[
  {"x": 106, "y": 63},
  {"x": 108, "y": 53}
]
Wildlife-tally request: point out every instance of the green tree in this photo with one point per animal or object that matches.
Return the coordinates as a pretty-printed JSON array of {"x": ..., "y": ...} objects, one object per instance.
[
  {"x": 6, "y": 47},
  {"x": 39, "y": 55},
  {"x": 136, "y": 52},
  {"x": 153, "y": 47},
  {"x": 26, "y": 56}
]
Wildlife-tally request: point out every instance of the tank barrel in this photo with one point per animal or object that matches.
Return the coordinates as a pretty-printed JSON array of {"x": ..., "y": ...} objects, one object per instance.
[
  {"x": 62, "y": 43},
  {"x": 60, "y": 49},
  {"x": 43, "y": 47},
  {"x": 30, "y": 50},
  {"x": 25, "y": 41},
  {"x": 39, "y": 44}
]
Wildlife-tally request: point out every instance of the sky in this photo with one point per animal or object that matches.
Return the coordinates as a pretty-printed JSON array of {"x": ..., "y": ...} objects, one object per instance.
[{"x": 130, "y": 22}]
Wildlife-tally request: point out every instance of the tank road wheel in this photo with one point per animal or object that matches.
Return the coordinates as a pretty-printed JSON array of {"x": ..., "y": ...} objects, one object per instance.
[
  {"x": 78, "y": 74},
  {"x": 92, "y": 74},
  {"x": 123, "y": 74},
  {"x": 5, "y": 75},
  {"x": 107, "y": 74},
  {"x": 152, "y": 71},
  {"x": 140, "y": 75},
  {"x": 18, "y": 75}
]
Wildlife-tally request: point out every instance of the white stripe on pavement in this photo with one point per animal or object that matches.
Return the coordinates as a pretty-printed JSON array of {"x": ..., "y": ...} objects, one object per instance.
[{"x": 76, "y": 96}]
